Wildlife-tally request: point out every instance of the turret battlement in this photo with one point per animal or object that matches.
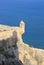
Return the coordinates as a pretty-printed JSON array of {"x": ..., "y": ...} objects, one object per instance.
[{"x": 22, "y": 26}]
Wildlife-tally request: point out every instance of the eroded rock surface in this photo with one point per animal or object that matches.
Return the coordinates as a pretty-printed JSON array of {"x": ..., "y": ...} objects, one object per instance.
[{"x": 13, "y": 51}]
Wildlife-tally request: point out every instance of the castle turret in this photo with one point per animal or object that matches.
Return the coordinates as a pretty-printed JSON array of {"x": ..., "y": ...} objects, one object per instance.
[{"x": 22, "y": 26}]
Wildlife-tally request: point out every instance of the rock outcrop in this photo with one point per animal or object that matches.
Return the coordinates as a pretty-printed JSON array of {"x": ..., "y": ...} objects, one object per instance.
[{"x": 13, "y": 51}]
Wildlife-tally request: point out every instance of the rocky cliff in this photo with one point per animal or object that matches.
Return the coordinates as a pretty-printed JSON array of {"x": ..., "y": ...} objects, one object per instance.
[{"x": 13, "y": 51}]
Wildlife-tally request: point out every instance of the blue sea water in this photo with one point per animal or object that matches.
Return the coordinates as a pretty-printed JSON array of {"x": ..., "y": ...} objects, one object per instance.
[{"x": 31, "y": 12}]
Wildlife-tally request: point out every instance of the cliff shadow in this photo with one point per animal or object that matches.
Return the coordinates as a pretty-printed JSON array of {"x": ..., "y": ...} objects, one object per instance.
[{"x": 9, "y": 54}]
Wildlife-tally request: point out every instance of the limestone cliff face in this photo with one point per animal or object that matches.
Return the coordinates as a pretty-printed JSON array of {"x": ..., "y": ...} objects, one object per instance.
[{"x": 11, "y": 44}]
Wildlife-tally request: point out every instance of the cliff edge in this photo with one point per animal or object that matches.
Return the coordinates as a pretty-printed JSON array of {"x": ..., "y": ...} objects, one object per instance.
[{"x": 13, "y": 51}]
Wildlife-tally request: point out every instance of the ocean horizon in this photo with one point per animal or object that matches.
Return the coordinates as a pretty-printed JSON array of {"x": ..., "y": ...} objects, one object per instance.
[{"x": 31, "y": 12}]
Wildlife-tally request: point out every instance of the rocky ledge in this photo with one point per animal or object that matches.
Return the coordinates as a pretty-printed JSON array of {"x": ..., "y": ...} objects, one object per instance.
[{"x": 13, "y": 51}]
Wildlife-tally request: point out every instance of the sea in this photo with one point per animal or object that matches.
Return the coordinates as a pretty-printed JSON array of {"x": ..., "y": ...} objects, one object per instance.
[{"x": 31, "y": 12}]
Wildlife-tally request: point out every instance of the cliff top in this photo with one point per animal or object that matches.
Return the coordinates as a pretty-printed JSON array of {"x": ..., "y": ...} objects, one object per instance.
[{"x": 6, "y": 31}]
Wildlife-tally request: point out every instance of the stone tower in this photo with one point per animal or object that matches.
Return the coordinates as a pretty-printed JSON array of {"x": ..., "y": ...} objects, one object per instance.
[{"x": 22, "y": 26}]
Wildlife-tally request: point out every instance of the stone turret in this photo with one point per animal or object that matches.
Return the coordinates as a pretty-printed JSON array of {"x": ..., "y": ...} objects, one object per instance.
[{"x": 22, "y": 26}]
